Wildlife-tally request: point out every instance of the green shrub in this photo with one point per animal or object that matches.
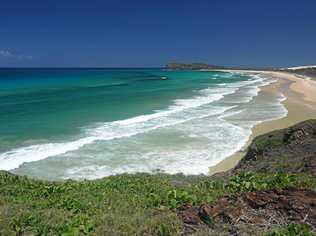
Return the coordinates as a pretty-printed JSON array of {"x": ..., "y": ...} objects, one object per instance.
[
  {"x": 282, "y": 180},
  {"x": 248, "y": 181},
  {"x": 292, "y": 230},
  {"x": 77, "y": 225},
  {"x": 268, "y": 141},
  {"x": 245, "y": 182},
  {"x": 177, "y": 198}
]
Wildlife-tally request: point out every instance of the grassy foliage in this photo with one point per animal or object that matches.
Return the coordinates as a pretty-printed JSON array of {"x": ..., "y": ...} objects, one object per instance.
[
  {"x": 292, "y": 230},
  {"x": 273, "y": 140},
  {"x": 248, "y": 181},
  {"x": 140, "y": 204}
]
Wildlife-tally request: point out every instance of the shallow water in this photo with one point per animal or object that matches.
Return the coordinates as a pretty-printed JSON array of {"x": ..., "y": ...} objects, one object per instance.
[{"x": 57, "y": 124}]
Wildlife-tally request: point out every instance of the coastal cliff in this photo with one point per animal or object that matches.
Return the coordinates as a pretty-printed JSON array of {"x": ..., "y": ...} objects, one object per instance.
[{"x": 270, "y": 192}]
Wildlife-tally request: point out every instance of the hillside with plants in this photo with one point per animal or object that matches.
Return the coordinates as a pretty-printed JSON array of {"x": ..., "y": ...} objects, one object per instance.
[{"x": 270, "y": 192}]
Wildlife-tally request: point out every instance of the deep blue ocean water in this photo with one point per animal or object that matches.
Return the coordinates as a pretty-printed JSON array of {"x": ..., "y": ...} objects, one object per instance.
[{"x": 90, "y": 123}]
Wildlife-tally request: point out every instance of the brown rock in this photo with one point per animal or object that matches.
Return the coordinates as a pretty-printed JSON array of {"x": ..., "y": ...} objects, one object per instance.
[
  {"x": 210, "y": 210},
  {"x": 231, "y": 215},
  {"x": 258, "y": 220},
  {"x": 189, "y": 215},
  {"x": 222, "y": 211},
  {"x": 258, "y": 199},
  {"x": 310, "y": 165},
  {"x": 261, "y": 209}
]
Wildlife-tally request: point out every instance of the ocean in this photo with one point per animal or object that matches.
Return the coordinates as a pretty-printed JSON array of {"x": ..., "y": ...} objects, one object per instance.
[{"x": 90, "y": 123}]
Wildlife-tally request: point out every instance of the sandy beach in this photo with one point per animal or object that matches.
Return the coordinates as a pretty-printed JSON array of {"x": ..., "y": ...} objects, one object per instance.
[{"x": 300, "y": 102}]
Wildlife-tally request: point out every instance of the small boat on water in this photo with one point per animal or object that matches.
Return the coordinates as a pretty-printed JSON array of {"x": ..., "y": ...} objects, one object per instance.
[{"x": 164, "y": 77}]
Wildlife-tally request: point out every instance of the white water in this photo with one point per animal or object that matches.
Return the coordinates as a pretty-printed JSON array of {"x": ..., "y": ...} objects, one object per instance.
[{"x": 207, "y": 128}]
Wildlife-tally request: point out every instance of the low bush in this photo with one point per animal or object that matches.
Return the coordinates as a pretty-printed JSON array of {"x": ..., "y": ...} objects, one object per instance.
[{"x": 292, "y": 230}]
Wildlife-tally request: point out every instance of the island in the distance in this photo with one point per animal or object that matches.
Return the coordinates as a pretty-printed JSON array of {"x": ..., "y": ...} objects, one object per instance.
[{"x": 191, "y": 66}]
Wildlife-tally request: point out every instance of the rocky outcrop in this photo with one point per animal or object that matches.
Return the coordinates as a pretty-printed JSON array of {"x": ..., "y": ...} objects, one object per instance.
[
  {"x": 291, "y": 150},
  {"x": 251, "y": 213}
]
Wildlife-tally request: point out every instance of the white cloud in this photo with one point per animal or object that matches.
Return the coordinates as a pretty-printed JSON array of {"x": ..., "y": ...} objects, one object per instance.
[{"x": 7, "y": 53}]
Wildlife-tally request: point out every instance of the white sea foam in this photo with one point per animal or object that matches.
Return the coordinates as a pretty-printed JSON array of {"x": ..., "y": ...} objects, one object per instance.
[
  {"x": 204, "y": 118},
  {"x": 187, "y": 159},
  {"x": 117, "y": 129}
]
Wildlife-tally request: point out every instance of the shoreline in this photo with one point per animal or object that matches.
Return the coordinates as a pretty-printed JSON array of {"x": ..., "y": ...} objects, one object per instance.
[{"x": 300, "y": 102}]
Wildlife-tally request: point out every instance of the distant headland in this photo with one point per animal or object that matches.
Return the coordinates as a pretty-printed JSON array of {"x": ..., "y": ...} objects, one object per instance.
[
  {"x": 305, "y": 71},
  {"x": 191, "y": 66}
]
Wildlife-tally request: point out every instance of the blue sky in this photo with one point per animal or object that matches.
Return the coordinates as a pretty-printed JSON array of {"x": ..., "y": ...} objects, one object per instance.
[{"x": 147, "y": 33}]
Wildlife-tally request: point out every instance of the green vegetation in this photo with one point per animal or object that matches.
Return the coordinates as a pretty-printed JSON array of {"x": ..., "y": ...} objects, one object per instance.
[
  {"x": 248, "y": 181},
  {"x": 190, "y": 66},
  {"x": 292, "y": 230},
  {"x": 140, "y": 204},
  {"x": 275, "y": 139}
]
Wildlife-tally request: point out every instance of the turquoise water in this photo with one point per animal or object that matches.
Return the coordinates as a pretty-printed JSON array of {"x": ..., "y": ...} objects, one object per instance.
[{"x": 90, "y": 123}]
